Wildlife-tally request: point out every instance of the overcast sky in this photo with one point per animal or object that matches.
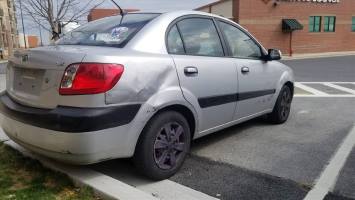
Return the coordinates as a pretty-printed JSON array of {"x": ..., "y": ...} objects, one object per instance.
[{"x": 143, "y": 5}]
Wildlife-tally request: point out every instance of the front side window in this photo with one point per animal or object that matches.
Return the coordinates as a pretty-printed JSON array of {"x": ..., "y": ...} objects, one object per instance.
[
  {"x": 200, "y": 37},
  {"x": 241, "y": 45},
  {"x": 314, "y": 23},
  {"x": 353, "y": 24},
  {"x": 175, "y": 45},
  {"x": 111, "y": 31},
  {"x": 329, "y": 24}
]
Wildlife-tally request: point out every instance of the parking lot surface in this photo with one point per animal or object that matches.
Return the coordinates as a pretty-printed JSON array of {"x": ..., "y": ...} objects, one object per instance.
[
  {"x": 256, "y": 160},
  {"x": 336, "y": 69}
]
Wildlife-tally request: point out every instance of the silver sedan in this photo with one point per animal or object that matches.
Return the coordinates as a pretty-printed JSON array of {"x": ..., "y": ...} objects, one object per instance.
[{"x": 141, "y": 85}]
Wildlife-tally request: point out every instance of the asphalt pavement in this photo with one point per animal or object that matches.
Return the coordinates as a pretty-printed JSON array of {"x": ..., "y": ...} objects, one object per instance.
[
  {"x": 268, "y": 161},
  {"x": 257, "y": 160},
  {"x": 333, "y": 69}
]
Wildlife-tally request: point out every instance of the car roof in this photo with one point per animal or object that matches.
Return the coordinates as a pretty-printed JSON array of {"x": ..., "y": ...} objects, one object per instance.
[
  {"x": 156, "y": 30},
  {"x": 178, "y": 13}
]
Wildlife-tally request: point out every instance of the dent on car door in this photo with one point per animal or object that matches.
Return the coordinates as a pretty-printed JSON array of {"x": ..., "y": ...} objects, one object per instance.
[
  {"x": 207, "y": 78},
  {"x": 257, "y": 79}
]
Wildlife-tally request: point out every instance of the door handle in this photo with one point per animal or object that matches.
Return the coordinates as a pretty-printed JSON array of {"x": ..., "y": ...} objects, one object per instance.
[
  {"x": 245, "y": 70},
  {"x": 191, "y": 70}
]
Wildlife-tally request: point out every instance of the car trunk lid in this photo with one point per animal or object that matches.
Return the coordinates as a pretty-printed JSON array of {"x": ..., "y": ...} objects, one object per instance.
[{"x": 34, "y": 76}]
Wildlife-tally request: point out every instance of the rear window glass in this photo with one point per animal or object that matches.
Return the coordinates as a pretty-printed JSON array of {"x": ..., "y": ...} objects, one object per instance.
[{"x": 108, "y": 31}]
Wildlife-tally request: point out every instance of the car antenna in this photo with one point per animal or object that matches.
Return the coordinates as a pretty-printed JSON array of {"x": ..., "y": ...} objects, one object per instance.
[{"x": 119, "y": 7}]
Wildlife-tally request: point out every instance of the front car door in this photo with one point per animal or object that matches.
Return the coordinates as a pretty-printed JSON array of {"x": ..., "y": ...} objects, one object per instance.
[
  {"x": 257, "y": 79},
  {"x": 208, "y": 79}
]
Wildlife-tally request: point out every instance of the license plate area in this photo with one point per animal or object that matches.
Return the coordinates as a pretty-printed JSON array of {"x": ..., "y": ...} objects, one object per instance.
[{"x": 27, "y": 81}]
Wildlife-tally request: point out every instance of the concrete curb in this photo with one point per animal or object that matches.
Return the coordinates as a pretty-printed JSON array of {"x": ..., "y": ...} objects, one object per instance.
[
  {"x": 111, "y": 187},
  {"x": 105, "y": 186},
  {"x": 319, "y": 55},
  {"x": 3, "y": 137},
  {"x": 3, "y": 64}
]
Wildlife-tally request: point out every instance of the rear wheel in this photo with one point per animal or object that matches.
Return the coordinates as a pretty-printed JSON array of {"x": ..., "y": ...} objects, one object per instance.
[
  {"x": 282, "y": 107},
  {"x": 163, "y": 145}
]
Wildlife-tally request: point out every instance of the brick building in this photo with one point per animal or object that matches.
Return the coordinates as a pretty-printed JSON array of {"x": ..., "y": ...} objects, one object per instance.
[
  {"x": 99, "y": 13},
  {"x": 32, "y": 41},
  {"x": 326, "y": 25},
  {"x": 8, "y": 26}
]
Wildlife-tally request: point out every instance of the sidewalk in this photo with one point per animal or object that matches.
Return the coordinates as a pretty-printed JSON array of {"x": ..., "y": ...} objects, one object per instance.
[{"x": 318, "y": 55}]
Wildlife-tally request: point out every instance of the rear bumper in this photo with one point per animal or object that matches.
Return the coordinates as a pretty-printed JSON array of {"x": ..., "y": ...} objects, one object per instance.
[
  {"x": 54, "y": 134},
  {"x": 69, "y": 119}
]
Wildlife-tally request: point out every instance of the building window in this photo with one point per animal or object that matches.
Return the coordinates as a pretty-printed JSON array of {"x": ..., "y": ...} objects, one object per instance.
[
  {"x": 329, "y": 23},
  {"x": 353, "y": 25},
  {"x": 314, "y": 23}
]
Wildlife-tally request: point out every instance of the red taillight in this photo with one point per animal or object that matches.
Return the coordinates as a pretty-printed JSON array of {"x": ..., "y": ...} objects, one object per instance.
[{"x": 90, "y": 78}]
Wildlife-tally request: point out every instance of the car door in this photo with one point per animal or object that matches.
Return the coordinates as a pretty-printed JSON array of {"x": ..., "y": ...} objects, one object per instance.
[
  {"x": 208, "y": 79},
  {"x": 257, "y": 80}
]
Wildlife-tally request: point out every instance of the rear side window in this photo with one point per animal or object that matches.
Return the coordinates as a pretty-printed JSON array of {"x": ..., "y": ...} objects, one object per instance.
[
  {"x": 108, "y": 31},
  {"x": 175, "y": 45},
  {"x": 200, "y": 37}
]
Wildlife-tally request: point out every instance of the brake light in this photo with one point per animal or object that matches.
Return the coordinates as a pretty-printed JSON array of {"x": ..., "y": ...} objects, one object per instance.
[{"x": 90, "y": 78}]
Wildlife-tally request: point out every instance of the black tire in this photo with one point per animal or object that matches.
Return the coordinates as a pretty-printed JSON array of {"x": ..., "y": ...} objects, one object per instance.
[
  {"x": 282, "y": 107},
  {"x": 156, "y": 148}
]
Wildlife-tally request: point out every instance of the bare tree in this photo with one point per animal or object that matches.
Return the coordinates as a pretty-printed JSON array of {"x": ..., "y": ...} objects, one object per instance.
[{"x": 50, "y": 13}]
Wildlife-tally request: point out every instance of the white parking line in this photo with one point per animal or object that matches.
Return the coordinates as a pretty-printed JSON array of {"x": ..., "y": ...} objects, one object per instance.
[
  {"x": 344, "y": 89},
  {"x": 307, "y": 86},
  {"x": 309, "y": 89},
  {"x": 325, "y": 96},
  {"x": 327, "y": 82},
  {"x": 329, "y": 176}
]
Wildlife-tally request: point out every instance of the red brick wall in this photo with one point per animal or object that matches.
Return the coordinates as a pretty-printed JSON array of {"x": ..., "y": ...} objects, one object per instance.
[
  {"x": 32, "y": 41},
  {"x": 264, "y": 21}
]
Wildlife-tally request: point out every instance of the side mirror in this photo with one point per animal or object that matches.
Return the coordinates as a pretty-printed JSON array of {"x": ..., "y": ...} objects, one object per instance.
[{"x": 274, "y": 54}]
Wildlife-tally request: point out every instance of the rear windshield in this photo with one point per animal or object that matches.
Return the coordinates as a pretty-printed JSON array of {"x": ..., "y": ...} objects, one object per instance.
[{"x": 109, "y": 31}]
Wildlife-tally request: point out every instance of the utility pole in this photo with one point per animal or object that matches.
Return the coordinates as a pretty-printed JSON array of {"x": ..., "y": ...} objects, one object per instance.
[
  {"x": 23, "y": 25},
  {"x": 40, "y": 34}
]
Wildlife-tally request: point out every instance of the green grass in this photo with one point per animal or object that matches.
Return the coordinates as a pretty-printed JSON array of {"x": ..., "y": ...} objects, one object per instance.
[{"x": 24, "y": 178}]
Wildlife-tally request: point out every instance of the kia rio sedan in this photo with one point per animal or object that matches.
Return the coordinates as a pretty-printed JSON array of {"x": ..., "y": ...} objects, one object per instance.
[{"x": 142, "y": 85}]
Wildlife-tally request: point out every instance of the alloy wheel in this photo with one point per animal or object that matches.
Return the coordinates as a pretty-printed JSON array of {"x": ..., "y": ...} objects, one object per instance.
[
  {"x": 169, "y": 145},
  {"x": 286, "y": 100}
]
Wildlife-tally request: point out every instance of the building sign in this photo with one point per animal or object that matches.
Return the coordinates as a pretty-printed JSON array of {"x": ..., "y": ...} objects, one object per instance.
[{"x": 313, "y": 1}]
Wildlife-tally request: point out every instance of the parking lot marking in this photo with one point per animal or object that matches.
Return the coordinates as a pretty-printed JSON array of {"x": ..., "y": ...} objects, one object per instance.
[
  {"x": 305, "y": 89},
  {"x": 309, "y": 89},
  {"x": 327, "y": 82},
  {"x": 329, "y": 176},
  {"x": 323, "y": 96},
  {"x": 341, "y": 88}
]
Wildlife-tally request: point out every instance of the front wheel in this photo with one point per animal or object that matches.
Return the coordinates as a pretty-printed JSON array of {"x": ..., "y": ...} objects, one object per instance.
[
  {"x": 282, "y": 107},
  {"x": 163, "y": 145}
]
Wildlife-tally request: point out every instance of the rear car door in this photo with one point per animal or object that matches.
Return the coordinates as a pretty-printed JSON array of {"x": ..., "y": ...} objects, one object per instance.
[
  {"x": 208, "y": 79},
  {"x": 257, "y": 78}
]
